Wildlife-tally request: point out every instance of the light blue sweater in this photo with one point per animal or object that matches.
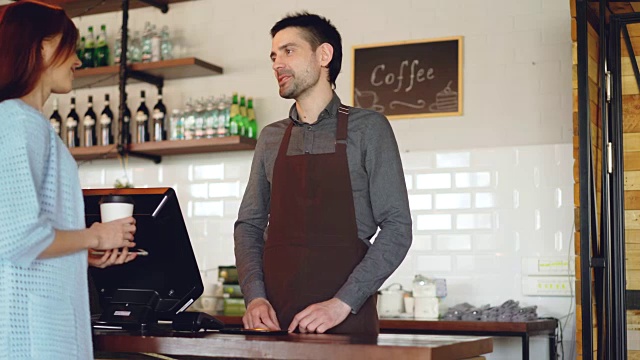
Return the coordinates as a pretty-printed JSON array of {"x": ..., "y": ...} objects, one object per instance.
[{"x": 44, "y": 305}]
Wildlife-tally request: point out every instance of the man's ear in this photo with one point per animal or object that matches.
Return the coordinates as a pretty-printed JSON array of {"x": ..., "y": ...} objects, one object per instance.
[{"x": 325, "y": 54}]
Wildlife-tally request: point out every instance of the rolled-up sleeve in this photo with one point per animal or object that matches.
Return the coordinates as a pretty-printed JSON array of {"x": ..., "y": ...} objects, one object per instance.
[
  {"x": 250, "y": 227},
  {"x": 390, "y": 209},
  {"x": 25, "y": 232}
]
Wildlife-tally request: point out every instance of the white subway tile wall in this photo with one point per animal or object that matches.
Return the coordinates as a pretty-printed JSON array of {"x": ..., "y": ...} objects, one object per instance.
[{"x": 474, "y": 227}]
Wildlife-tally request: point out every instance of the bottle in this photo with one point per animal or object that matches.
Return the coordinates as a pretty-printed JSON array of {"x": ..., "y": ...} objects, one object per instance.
[
  {"x": 117, "y": 49},
  {"x": 189, "y": 121},
  {"x": 211, "y": 119},
  {"x": 73, "y": 140},
  {"x": 223, "y": 117},
  {"x": 244, "y": 120},
  {"x": 136, "y": 48},
  {"x": 125, "y": 127},
  {"x": 102, "y": 49},
  {"x": 55, "y": 119},
  {"x": 253, "y": 124},
  {"x": 88, "y": 58},
  {"x": 156, "y": 45},
  {"x": 106, "y": 121},
  {"x": 199, "y": 120},
  {"x": 146, "y": 42},
  {"x": 80, "y": 50},
  {"x": 142, "y": 120},
  {"x": 166, "y": 48},
  {"x": 176, "y": 125},
  {"x": 159, "y": 118},
  {"x": 89, "y": 122},
  {"x": 235, "y": 119}
]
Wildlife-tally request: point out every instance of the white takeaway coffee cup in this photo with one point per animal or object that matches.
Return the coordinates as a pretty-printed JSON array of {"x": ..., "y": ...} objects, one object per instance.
[{"x": 114, "y": 207}]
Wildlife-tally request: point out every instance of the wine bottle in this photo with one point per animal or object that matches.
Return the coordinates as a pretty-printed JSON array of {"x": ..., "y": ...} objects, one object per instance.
[
  {"x": 142, "y": 120},
  {"x": 159, "y": 118},
  {"x": 55, "y": 119},
  {"x": 73, "y": 139},
  {"x": 125, "y": 127},
  {"x": 106, "y": 123},
  {"x": 89, "y": 121}
]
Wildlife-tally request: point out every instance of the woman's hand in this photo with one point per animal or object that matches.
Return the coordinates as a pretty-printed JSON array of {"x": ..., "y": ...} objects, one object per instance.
[
  {"x": 111, "y": 257},
  {"x": 114, "y": 234}
]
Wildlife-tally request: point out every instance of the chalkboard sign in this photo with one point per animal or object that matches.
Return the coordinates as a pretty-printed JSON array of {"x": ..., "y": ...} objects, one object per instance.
[{"x": 409, "y": 79}]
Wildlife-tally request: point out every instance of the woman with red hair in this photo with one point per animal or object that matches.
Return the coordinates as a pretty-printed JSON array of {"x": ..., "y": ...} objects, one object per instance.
[{"x": 44, "y": 305}]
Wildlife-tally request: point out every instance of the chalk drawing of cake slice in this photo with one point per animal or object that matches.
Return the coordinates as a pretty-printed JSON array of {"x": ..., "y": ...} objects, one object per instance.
[
  {"x": 446, "y": 100},
  {"x": 368, "y": 100}
]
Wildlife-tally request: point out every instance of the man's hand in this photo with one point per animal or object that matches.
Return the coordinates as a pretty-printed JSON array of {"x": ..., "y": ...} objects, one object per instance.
[
  {"x": 111, "y": 257},
  {"x": 320, "y": 317},
  {"x": 260, "y": 314}
]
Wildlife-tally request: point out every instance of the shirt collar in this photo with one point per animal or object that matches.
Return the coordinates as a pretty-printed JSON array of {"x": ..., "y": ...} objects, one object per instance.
[{"x": 330, "y": 111}]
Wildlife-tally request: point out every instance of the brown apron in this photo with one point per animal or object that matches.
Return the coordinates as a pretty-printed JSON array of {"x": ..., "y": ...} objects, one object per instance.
[{"x": 312, "y": 245}]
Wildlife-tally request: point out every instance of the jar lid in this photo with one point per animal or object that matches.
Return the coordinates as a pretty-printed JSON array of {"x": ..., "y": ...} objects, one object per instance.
[{"x": 109, "y": 199}]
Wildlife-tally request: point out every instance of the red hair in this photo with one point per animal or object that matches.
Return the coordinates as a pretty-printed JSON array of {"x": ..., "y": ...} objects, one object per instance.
[{"x": 23, "y": 27}]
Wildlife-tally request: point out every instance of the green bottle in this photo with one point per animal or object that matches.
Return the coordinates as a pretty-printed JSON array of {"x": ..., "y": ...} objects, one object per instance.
[
  {"x": 253, "y": 124},
  {"x": 244, "y": 120},
  {"x": 88, "y": 58},
  {"x": 234, "y": 116},
  {"x": 102, "y": 49},
  {"x": 80, "y": 50}
]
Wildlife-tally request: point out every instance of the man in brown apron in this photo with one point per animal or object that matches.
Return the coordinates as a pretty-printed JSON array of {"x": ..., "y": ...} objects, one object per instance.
[{"x": 313, "y": 244}]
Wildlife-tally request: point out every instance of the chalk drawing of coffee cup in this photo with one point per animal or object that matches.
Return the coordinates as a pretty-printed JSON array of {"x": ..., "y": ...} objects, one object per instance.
[{"x": 368, "y": 100}]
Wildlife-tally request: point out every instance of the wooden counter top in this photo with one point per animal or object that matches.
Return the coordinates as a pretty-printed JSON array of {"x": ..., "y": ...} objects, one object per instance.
[
  {"x": 407, "y": 326},
  {"x": 295, "y": 346}
]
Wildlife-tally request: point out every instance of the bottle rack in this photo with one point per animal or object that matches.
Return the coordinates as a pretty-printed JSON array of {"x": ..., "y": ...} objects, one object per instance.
[{"x": 154, "y": 73}]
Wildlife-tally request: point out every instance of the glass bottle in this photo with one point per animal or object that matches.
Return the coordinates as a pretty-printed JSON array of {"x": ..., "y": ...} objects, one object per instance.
[
  {"x": 189, "y": 121},
  {"x": 176, "y": 125},
  {"x": 106, "y": 123},
  {"x": 166, "y": 47},
  {"x": 235, "y": 119},
  {"x": 159, "y": 119},
  {"x": 211, "y": 119},
  {"x": 146, "y": 42},
  {"x": 125, "y": 127},
  {"x": 80, "y": 50},
  {"x": 199, "y": 120},
  {"x": 244, "y": 120},
  {"x": 55, "y": 119},
  {"x": 102, "y": 49},
  {"x": 223, "y": 117},
  {"x": 89, "y": 123},
  {"x": 88, "y": 57},
  {"x": 142, "y": 120},
  {"x": 136, "y": 48},
  {"x": 252, "y": 132},
  {"x": 73, "y": 139}
]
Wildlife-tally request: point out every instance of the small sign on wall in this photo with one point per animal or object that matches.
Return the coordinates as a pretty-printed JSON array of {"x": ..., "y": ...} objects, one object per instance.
[{"x": 409, "y": 79}]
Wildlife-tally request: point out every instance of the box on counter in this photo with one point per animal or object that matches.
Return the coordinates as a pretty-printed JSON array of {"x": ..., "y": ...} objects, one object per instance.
[
  {"x": 233, "y": 290},
  {"x": 234, "y": 307},
  {"x": 229, "y": 274}
]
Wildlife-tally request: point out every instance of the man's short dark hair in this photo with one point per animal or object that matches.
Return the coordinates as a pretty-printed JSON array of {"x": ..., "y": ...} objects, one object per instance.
[{"x": 317, "y": 30}]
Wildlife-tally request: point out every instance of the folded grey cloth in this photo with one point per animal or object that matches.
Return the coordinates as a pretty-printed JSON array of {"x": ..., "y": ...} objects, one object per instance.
[{"x": 510, "y": 310}]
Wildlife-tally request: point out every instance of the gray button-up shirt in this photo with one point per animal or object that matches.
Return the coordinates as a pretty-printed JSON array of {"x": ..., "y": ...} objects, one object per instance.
[{"x": 379, "y": 195}]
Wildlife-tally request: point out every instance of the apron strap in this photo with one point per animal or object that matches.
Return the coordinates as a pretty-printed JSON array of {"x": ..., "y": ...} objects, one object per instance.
[{"x": 343, "y": 121}]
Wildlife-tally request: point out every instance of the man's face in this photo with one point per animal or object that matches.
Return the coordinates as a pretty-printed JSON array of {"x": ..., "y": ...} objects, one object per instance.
[{"x": 296, "y": 66}]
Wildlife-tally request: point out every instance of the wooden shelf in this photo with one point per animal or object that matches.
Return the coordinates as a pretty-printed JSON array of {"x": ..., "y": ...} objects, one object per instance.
[
  {"x": 94, "y": 152},
  {"x": 166, "y": 69},
  {"x": 76, "y": 8},
  {"x": 169, "y": 147},
  {"x": 182, "y": 147}
]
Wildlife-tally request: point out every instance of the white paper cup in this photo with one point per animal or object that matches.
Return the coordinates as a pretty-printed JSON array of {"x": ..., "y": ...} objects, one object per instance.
[{"x": 114, "y": 207}]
